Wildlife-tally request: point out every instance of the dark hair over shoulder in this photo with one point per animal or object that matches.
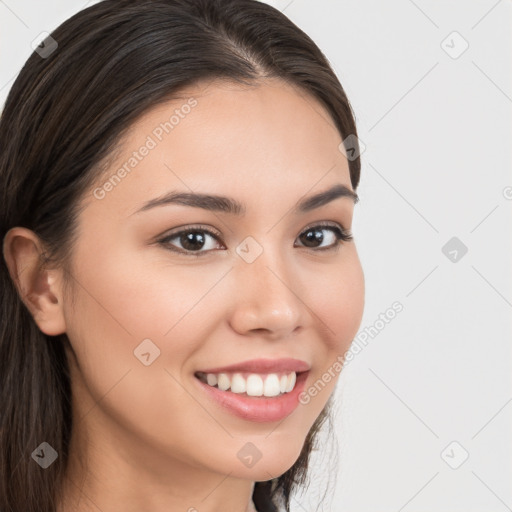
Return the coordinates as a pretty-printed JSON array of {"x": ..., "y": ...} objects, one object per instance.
[{"x": 63, "y": 116}]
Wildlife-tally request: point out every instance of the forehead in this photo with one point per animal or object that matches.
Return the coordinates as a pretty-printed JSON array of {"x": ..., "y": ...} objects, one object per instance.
[{"x": 254, "y": 140}]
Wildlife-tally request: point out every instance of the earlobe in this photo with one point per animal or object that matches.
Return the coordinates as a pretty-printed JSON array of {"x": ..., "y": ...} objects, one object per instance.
[{"x": 39, "y": 288}]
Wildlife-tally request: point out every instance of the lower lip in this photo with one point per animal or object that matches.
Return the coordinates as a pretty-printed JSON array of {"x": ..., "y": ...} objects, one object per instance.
[{"x": 259, "y": 409}]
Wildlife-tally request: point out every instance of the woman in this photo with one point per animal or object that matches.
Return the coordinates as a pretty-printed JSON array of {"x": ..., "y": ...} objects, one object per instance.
[{"x": 179, "y": 281}]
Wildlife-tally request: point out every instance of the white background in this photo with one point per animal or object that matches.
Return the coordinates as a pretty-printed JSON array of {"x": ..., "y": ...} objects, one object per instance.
[{"x": 437, "y": 165}]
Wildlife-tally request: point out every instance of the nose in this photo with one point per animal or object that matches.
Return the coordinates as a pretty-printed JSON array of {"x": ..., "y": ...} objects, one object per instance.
[{"x": 267, "y": 299}]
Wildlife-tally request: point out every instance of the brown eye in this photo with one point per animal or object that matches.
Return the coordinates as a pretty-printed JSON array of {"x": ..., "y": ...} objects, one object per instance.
[
  {"x": 314, "y": 236},
  {"x": 191, "y": 241}
]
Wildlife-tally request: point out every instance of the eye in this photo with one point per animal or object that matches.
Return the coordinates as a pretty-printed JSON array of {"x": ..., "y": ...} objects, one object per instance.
[
  {"x": 193, "y": 239},
  {"x": 313, "y": 235}
]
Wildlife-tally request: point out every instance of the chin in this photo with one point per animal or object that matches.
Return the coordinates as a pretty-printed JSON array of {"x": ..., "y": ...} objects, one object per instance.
[{"x": 261, "y": 463}]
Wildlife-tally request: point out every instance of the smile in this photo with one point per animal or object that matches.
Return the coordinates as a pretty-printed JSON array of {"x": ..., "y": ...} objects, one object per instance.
[
  {"x": 255, "y": 407},
  {"x": 251, "y": 384}
]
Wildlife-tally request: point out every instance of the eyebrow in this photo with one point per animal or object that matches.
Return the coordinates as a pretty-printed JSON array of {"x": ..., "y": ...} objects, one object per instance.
[{"x": 229, "y": 205}]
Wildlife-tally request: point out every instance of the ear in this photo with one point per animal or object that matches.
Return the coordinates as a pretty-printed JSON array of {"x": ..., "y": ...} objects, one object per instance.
[{"x": 40, "y": 289}]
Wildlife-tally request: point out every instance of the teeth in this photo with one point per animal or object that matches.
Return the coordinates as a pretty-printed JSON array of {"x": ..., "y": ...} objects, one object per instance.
[
  {"x": 211, "y": 378},
  {"x": 254, "y": 385},
  {"x": 223, "y": 382},
  {"x": 283, "y": 383},
  {"x": 291, "y": 382},
  {"x": 238, "y": 384},
  {"x": 272, "y": 385}
]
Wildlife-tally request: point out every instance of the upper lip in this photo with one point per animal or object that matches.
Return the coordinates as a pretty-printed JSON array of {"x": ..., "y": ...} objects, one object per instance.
[{"x": 264, "y": 366}]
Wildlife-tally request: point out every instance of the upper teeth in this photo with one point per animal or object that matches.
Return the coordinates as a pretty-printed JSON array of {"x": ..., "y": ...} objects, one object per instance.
[{"x": 253, "y": 384}]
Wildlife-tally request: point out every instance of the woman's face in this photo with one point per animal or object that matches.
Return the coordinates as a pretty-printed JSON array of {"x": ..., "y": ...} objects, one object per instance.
[{"x": 149, "y": 313}]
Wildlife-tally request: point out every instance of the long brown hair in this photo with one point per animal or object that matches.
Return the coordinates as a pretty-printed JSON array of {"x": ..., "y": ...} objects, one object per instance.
[{"x": 63, "y": 116}]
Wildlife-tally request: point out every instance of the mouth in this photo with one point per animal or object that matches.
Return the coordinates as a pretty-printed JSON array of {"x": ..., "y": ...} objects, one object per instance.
[
  {"x": 254, "y": 397},
  {"x": 252, "y": 384}
]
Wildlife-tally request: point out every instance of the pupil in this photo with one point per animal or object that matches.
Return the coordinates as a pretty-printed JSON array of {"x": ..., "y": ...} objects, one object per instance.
[{"x": 190, "y": 242}]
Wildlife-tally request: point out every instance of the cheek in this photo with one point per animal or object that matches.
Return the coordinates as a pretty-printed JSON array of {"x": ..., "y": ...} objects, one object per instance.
[
  {"x": 120, "y": 303},
  {"x": 125, "y": 299},
  {"x": 337, "y": 300}
]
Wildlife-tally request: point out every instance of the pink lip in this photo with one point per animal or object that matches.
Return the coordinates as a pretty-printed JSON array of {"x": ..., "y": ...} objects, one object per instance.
[
  {"x": 264, "y": 366},
  {"x": 258, "y": 409}
]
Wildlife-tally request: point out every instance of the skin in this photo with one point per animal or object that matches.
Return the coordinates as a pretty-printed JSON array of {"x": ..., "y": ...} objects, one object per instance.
[{"x": 150, "y": 437}]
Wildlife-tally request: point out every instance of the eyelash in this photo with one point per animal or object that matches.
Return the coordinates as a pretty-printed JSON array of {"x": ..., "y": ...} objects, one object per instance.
[{"x": 342, "y": 235}]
